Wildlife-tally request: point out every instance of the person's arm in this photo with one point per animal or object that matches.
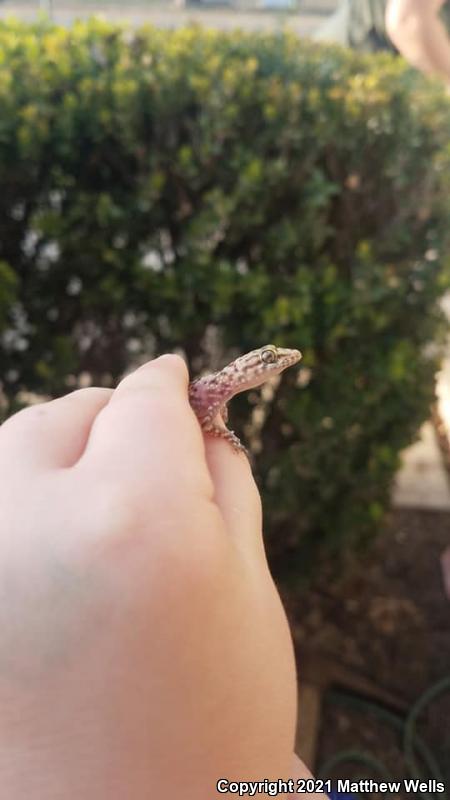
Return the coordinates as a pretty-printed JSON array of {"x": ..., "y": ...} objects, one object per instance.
[{"x": 414, "y": 26}]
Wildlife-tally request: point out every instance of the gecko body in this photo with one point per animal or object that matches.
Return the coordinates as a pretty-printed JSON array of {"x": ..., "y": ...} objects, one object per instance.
[{"x": 210, "y": 394}]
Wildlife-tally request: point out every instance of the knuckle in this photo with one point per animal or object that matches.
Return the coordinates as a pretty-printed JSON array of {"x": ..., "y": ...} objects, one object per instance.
[{"x": 30, "y": 415}]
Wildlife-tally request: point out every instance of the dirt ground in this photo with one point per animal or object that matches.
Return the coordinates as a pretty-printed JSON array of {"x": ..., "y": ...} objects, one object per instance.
[{"x": 381, "y": 631}]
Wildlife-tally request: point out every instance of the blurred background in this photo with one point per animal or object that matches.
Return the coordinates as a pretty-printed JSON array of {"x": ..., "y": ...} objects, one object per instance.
[
  {"x": 213, "y": 176},
  {"x": 251, "y": 13},
  {"x": 319, "y": 7}
]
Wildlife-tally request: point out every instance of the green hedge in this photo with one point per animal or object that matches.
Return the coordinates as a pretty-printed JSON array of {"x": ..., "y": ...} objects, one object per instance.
[{"x": 213, "y": 192}]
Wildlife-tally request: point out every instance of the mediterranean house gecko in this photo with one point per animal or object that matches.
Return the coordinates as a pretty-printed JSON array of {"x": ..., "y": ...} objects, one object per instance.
[{"x": 210, "y": 394}]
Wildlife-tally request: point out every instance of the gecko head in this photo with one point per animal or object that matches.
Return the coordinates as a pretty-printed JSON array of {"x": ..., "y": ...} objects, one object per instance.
[
  {"x": 255, "y": 367},
  {"x": 278, "y": 358}
]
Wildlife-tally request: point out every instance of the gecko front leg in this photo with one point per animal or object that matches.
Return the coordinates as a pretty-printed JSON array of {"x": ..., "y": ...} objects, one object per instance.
[
  {"x": 209, "y": 425},
  {"x": 224, "y": 433}
]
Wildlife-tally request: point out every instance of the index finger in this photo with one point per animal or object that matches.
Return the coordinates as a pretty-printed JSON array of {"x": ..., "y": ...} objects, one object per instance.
[{"x": 148, "y": 434}]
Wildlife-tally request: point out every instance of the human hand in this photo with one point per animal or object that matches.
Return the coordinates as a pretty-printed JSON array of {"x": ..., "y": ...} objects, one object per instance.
[{"x": 144, "y": 651}]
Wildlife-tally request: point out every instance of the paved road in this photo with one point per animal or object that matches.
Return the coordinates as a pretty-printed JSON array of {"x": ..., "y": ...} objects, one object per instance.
[{"x": 65, "y": 13}]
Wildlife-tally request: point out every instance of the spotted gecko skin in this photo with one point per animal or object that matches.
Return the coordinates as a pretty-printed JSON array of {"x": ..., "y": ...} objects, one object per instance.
[{"x": 210, "y": 394}]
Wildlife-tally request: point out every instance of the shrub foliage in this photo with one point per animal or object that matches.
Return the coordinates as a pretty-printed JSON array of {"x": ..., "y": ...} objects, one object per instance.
[{"x": 208, "y": 192}]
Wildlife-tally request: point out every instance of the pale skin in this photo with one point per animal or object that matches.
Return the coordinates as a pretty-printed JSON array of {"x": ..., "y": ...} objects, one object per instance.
[
  {"x": 144, "y": 651},
  {"x": 420, "y": 35}
]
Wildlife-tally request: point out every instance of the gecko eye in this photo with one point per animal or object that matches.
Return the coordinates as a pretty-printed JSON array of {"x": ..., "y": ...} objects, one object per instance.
[{"x": 269, "y": 355}]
